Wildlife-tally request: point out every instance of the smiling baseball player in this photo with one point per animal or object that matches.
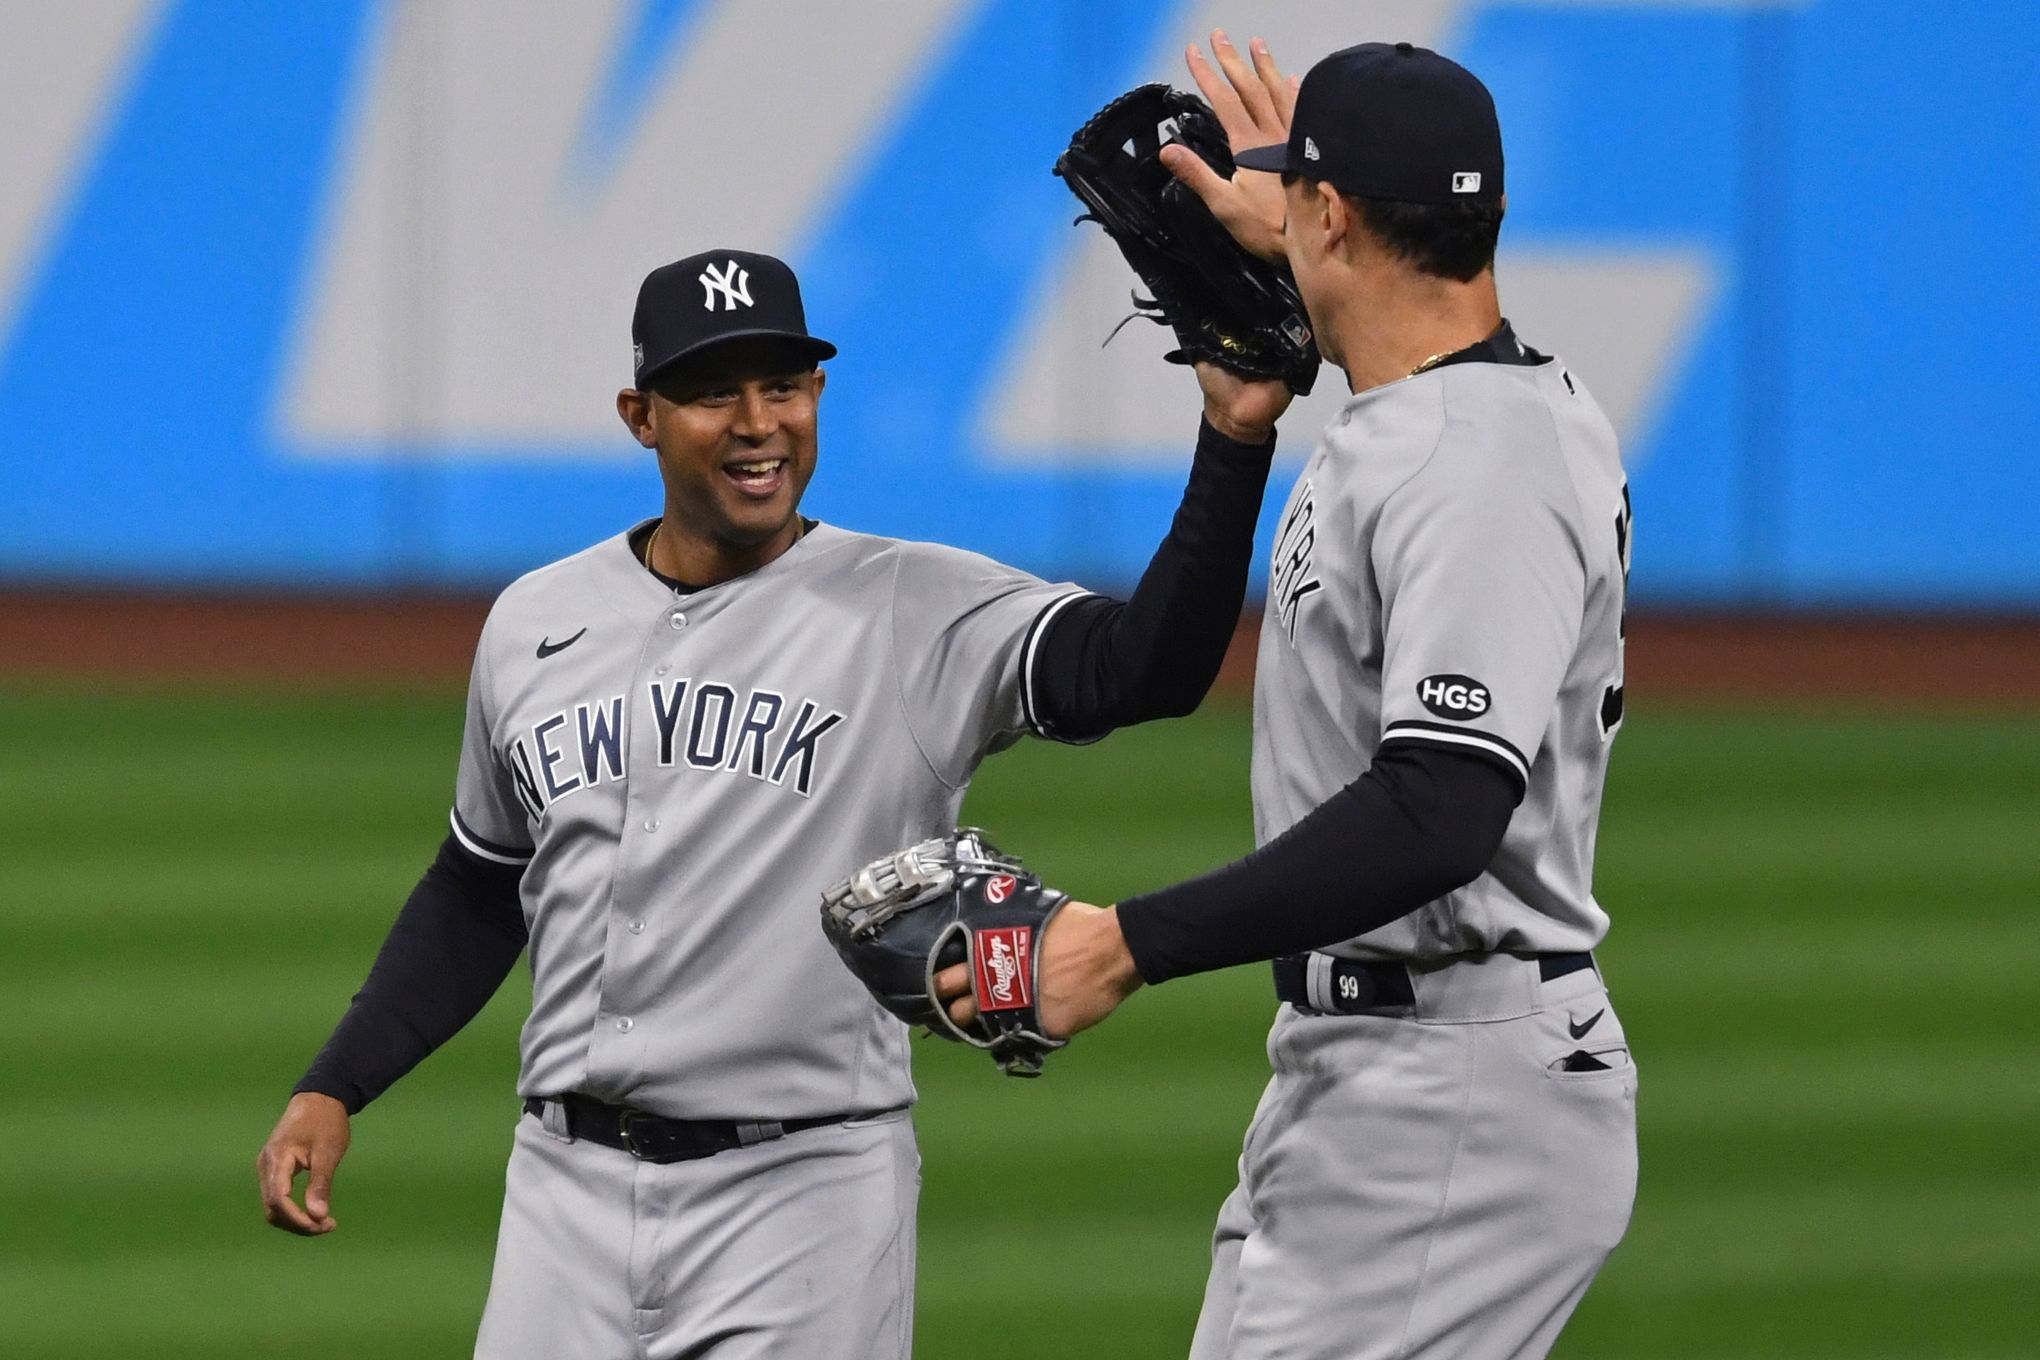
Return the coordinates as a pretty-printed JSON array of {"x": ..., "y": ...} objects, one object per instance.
[
  {"x": 675, "y": 740},
  {"x": 1447, "y": 1150}
]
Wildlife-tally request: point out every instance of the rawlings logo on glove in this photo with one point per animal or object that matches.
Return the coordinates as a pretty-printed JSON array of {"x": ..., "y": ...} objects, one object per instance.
[
  {"x": 1001, "y": 956},
  {"x": 900, "y": 920}
]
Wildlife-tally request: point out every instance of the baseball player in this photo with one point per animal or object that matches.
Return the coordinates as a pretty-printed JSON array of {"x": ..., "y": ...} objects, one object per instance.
[
  {"x": 675, "y": 739},
  {"x": 1446, "y": 1152}
]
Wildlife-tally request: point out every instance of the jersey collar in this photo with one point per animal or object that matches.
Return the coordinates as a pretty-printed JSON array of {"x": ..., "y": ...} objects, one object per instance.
[
  {"x": 1502, "y": 347},
  {"x": 639, "y": 583}
]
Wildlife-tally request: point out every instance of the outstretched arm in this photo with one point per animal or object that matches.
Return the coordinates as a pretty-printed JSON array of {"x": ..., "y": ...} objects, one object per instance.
[
  {"x": 1419, "y": 823},
  {"x": 450, "y": 948},
  {"x": 1103, "y": 663}
]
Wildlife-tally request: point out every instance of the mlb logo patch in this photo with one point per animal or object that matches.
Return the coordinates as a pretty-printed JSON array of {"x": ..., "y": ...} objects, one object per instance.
[
  {"x": 1466, "y": 182},
  {"x": 1002, "y": 959}
]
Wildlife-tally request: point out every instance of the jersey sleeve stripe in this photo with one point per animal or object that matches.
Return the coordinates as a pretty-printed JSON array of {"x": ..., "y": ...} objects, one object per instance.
[
  {"x": 1029, "y": 651},
  {"x": 1410, "y": 730},
  {"x": 486, "y": 849}
]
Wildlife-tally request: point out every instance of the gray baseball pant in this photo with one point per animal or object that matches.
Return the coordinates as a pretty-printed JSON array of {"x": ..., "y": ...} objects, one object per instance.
[
  {"x": 1431, "y": 1185},
  {"x": 798, "y": 1246}
]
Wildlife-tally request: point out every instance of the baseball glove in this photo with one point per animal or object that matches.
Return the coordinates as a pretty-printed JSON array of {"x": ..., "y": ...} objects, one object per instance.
[
  {"x": 1226, "y": 306},
  {"x": 955, "y": 899}
]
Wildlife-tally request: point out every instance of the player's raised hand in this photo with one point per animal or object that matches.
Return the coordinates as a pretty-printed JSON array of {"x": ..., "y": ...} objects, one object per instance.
[
  {"x": 1242, "y": 409},
  {"x": 1254, "y": 101},
  {"x": 311, "y": 1137}
]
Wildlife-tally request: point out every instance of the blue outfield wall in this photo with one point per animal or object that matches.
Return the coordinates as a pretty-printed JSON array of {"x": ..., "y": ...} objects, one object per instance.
[{"x": 251, "y": 337}]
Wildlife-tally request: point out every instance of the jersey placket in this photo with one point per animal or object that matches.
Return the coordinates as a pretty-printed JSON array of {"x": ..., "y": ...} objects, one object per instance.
[{"x": 632, "y": 931}]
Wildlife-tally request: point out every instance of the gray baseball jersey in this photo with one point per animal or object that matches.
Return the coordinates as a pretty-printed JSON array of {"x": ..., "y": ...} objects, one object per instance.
[
  {"x": 1450, "y": 570},
  {"x": 684, "y": 774},
  {"x": 1445, "y": 1178}
]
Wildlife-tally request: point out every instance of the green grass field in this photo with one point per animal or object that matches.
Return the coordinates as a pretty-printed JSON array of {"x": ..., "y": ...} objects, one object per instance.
[{"x": 1826, "y": 949}]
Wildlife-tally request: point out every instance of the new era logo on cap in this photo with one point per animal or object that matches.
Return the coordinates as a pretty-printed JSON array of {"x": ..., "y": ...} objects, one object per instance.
[
  {"x": 1466, "y": 182},
  {"x": 1310, "y": 152}
]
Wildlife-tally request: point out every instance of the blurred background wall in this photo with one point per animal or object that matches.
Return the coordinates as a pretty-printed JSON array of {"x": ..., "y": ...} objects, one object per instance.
[
  {"x": 312, "y": 313},
  {"x": 336, "y": 295}
]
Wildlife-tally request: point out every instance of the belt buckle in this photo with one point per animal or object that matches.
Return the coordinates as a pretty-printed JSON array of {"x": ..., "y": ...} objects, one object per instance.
[{"x": 626, "y": 1126}]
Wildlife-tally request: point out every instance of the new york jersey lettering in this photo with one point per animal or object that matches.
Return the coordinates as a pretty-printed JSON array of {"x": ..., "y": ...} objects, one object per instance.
[
  {"x": 705, "y": 725},
  {"x": 1290, "y": 576}
]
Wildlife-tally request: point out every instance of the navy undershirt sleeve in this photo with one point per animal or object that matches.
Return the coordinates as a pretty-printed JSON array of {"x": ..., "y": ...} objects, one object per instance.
[
  {"x": 1103, "y": 663},
  {"x": 451, "y": 946},
  {"x": 1419, "y": 823}
]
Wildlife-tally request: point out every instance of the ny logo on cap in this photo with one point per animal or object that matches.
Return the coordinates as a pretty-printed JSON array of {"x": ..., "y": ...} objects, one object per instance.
[
  {"x": 1466, "y": 182},
  {"x": 733, "y": 283},
  {"x": 1310, "y": 150}
]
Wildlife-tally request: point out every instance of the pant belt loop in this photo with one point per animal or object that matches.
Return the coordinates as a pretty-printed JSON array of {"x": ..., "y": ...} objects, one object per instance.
[
  {"x": 1317, "y": 982},
  {"x": 748, "y": 1134},
  {"x": 552, "y": 1117}
]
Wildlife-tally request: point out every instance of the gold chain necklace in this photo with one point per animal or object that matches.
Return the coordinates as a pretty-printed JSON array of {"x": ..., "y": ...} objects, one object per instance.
[{"x": 1432, "y": 362}]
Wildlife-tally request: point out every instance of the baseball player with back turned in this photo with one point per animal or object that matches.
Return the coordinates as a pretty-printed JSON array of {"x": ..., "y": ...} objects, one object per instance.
[
  {"x": 1447, "y": 1150},
  {"x": 675, "y": 740}
]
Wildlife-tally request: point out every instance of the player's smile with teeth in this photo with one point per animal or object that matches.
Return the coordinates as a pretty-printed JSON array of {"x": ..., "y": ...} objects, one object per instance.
[{"x": 758, "y": 476}]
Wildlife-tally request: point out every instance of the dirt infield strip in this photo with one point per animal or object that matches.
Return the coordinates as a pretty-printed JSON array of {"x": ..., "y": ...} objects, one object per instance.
[{"x": 429, "y": 639}]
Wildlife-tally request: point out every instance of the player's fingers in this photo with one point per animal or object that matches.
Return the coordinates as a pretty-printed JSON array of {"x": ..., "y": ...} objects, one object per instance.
[
  {"x": 275, "y": 1169},
  {"x": 1233, "y": 117},
  {"x": 1198, "y": 176},
  {"x": 1281, "y": 89},
  {"x": 952, "y": 985},
  {"x": 1253, "y": 94},
  {"x": 1230, "y": 206},
  {"x": 319, "y": 1189}
]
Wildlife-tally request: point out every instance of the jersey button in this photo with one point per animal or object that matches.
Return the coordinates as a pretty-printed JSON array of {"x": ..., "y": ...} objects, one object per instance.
[
  {"x": 651, "y": 823},
  {"x": 661, "y": 668},
  {"x": 637, "y": 927},
  {"x": 623, "y": 1026},
  {"x": 677, "y": 619}
]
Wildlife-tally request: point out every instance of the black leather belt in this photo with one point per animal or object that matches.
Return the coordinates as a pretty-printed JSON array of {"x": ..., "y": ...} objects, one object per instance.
[
  {"x": 1355, "y": 986},
  {"x": 655, "y": 1138}
]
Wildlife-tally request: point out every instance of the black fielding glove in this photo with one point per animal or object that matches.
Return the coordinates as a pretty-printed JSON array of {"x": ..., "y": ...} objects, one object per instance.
[
  {"x": 900, "y": 920},
  {"x": 1227, "y": 306}
]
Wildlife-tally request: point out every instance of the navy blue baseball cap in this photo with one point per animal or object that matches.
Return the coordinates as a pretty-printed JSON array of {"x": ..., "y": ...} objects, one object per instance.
[
  {"x": 690, "y": 305},
  {"x": 1392, "y": 120}
]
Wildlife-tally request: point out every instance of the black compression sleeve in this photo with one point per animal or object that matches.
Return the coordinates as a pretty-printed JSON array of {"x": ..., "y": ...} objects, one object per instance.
[
  {"x": 1104, "y": 663},
  {"x": 450, "y": 948},
  {"x": 1419, "y": 823}
]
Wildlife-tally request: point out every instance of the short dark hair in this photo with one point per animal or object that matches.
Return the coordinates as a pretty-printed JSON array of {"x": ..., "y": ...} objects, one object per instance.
[{"x": 1450, "y": 240}]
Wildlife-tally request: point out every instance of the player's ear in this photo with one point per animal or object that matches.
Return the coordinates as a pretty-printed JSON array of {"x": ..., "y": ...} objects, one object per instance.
[
  {"x": 1332, "y": 215},
  {"x": 636, "y": 409},
  {"x": 821, "y": 380}
]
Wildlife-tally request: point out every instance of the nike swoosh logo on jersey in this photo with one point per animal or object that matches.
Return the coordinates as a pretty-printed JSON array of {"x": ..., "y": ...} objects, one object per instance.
[
  {"x": 1579, "y": 1029},
  {"x": 546, "y": 647}
]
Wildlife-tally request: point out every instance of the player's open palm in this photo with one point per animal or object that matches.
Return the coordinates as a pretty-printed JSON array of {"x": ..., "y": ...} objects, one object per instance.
[
  {"x": 311, "y": 1138},
  {"x": 1254, "y": 102}
]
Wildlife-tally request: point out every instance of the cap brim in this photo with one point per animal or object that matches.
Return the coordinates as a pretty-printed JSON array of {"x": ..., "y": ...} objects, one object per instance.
[
  {"x": 816, "y": 348},
  {"x": 1272, "y": 158}
]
